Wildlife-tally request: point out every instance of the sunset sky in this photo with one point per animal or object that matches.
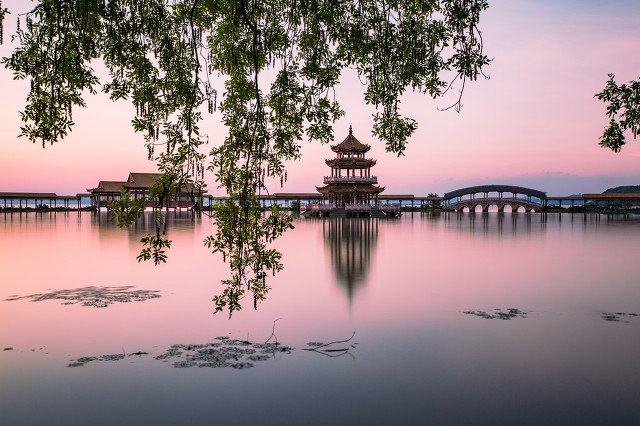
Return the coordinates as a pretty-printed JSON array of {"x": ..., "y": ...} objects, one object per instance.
[{"x": 534, "y": 123}]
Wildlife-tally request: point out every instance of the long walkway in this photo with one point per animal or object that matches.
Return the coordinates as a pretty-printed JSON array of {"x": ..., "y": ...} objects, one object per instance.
[
  {"x": 22, "y": 200},
  {"x": 12, "y": 200}
]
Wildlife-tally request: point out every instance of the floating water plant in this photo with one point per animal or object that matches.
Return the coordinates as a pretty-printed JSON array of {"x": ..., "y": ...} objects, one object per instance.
[
  {"x": 97, "y": 297},
  {"x": 618, "y": 316},
  {"x": 223, "y": 353},
  {"x": 502, "y": 314}
]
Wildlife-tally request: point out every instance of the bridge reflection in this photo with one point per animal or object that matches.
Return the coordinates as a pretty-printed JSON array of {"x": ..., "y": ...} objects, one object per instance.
[
  {"x": 496, "y": 225},
  {"x": 351, "y": 242}
]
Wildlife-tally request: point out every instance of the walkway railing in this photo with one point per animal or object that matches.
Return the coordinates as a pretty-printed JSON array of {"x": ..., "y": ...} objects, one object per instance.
[
  {"x": 351, "y": 179},
  {"x": 316, "y": 207},
  {"x": 348, "y": 207},
  {"x": 357, "y": 208},
  {"x": 395, "y": 207}
]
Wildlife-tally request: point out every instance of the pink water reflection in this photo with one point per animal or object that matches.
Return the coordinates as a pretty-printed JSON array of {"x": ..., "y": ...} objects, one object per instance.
[{"x": 402, "y": 285}]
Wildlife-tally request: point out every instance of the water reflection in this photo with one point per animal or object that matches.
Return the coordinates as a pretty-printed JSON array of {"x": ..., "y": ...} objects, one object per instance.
[
  {"x": 568, "y": 361},
  {"x": 496, "y": 224},
  {"x": 351, "y": 242},
  {"x": 146, "y": 224},
  {"x": 518, "y": 225}
]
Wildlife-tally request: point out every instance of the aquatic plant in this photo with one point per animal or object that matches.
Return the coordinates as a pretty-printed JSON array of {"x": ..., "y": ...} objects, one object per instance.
[
  {"x": 97, "y": 297},
  {"x": 502, "y": 314}
]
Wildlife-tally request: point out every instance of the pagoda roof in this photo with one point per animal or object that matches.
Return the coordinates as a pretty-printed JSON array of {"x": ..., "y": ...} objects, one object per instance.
[
  {"x": 350, "y": 161},
  {"x": 350, "y": 144},
  {"x": 364, "y": 188}
]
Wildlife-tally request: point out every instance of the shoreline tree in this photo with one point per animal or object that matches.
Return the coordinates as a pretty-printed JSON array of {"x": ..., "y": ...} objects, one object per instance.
[
  {"x": 623, "y": 111},
  {"x": 280, "y": 62}
]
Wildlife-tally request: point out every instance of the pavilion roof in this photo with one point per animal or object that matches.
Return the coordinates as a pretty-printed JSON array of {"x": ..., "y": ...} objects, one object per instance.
[
  {"x": 26, "y": 195},
  {"x": 363, "y": 188},
  {"x": 108, "y": 186},
  {"x": 136, "y": 181},
  {"x": 142, "y": 180},
  {"x": 350, "y": 144},
  {"x": 350, "y": 162},
  {"x": 147, "y": 180}
]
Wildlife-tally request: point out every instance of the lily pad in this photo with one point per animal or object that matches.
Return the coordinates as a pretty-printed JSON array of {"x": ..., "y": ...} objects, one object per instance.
[
  {"x": 502, "y": 314},
  {"x": 92, "y": 296},
  {"x": 619, "y": 316}
]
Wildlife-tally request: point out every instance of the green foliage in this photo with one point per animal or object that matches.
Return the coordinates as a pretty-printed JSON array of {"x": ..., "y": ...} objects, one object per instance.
[
  {"x": 251, "y": 252},
  {"x": 280, "y": 63},
  {"x": 126, "y": 210},
  {"x": 56, "y": 60},
  {"x": 3, "y": 11},
  {"x": 153, "y": 246},
  {"x": 623, "y": 111},
  {"x": 432, "y": 194}
]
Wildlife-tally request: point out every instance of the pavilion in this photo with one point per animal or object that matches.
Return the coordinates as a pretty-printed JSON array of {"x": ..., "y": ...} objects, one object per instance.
[
  {"x": 138, "y": 184},
  {"x": 351, "y": 189}
]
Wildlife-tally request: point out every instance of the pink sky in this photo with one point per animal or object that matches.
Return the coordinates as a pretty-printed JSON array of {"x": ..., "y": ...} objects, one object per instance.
[{"x": 534, "y": 123}]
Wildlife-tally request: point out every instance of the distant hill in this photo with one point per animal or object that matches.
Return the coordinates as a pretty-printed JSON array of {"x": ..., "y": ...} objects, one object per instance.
[{"x": 630, "y": 189}]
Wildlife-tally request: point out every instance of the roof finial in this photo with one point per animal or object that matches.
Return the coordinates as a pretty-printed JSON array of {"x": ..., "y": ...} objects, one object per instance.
[{"x": 350, "y": 130}]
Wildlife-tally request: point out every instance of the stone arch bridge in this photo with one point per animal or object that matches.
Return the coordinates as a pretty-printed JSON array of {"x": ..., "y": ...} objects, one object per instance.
[{"x": 494, "y": 195}]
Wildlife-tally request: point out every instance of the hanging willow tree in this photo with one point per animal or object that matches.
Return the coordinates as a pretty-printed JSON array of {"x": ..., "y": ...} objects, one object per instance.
[
  {"x": 623, "y": 110},
  {"x": 161, "y": 53}
]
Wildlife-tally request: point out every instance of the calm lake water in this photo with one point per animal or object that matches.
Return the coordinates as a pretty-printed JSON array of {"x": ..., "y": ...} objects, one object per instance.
[{"x": 428, "y": 297}]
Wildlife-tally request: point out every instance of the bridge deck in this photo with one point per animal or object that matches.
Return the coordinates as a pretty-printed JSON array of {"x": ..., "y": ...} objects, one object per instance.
[{"x": 495, "y": 188}]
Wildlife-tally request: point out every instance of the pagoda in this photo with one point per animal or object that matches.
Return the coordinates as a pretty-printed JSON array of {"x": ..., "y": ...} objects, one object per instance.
[{"x": 351, "y": 186}]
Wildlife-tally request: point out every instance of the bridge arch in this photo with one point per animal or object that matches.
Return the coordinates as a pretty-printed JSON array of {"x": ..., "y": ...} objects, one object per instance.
[
  {"x": 467, "y": 197},
  {"x": 500, "y": 189}
]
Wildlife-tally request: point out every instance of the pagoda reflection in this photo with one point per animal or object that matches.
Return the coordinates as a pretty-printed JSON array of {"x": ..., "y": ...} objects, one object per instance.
[{"x": 351, "y": 241}]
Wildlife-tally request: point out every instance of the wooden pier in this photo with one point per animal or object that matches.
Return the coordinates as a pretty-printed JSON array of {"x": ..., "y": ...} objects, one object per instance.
[{"x": 10, "y": 199}]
